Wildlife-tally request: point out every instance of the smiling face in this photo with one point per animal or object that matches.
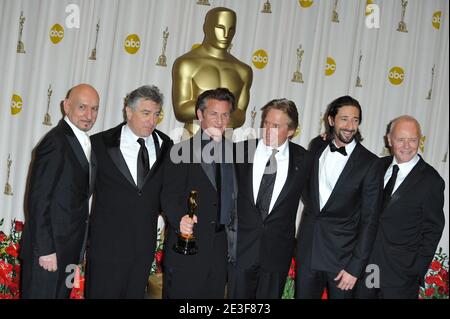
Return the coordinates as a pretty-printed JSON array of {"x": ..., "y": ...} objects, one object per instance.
[
  {"x": 276, "y": 128},
  {"x": 215, "y": 117},
  {"x": 404, "y": 140},
  {"x": 143, "y": 120},
  {"x": 345, "y": 124},
  {"x": 81, "y": 106}
]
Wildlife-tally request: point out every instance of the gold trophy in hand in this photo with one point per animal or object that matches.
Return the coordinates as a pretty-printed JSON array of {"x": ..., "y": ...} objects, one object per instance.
[{"x": 186, "y": 243}]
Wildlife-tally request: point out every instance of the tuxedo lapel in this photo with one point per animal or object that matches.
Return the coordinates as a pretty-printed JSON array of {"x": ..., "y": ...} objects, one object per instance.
[
  {"x": 93, "y": 172},
  {"x": 410, "y": 181},
  {"x": 159, "y": 151},
  {"x": 113, "y": 147},
  {"x": 249, "y": 156},
  {"x": 75, "y": 145},
  {"x": 295, "y": 166},
  {"x": 352, "y": 162},
  {"x": 315, "y": 178}
]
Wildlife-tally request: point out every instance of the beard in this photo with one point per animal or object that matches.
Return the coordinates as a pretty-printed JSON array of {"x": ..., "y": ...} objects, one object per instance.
[{"x": 343, "y": 138}]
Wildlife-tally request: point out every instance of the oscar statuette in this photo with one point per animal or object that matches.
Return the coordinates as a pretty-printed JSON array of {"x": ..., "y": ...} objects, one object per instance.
[{"x": 186, "y": 243}]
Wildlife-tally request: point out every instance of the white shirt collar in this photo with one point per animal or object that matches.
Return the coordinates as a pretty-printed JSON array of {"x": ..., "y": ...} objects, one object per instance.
[
  {"x": 282, "y": 149},
  {"x": 349, "y": 147},
  {"x": 81, "y": 135},
  {"x": 407, "y": 166}
]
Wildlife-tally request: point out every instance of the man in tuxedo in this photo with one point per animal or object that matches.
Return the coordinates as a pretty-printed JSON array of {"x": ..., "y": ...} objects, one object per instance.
[
  {"x": 271, "y": 179},
  {"x": 123, "y": 225},
  {"x": 412, "y": 219},
  {"x": 62, "y": 174},
  {"x": 340, "y": 215},
  {"x": 203, "y": 163}
]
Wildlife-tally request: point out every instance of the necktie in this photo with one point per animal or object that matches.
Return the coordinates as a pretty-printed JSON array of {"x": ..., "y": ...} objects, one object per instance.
[
  {"x": 390, "y": 186},
  {"x": 341, "y": 149},
  {"x": 266, "y": 186},
  {"x": 143, "y": 165}
]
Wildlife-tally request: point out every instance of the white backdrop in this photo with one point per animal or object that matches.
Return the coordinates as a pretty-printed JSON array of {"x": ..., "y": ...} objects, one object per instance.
[{"x": 291, "y": 23}]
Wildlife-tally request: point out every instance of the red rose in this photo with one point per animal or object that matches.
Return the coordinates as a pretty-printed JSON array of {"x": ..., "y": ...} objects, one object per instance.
[
  {"x": 429, "y": 292},
  {"x": 429, "y": 280},
  {"x": 325, "y": 294},
  {"x": 435, "y": 265},
  {"x": 159, "y": 256},
  {"x": 18, "y": 225},
  {"x": 12, "y": 250},
  {"x": 444, "y": 274},
  {"x": 5, "y": 267},
  {"x": 439, "y": 282},
  {"x": 2, "y": 236}
]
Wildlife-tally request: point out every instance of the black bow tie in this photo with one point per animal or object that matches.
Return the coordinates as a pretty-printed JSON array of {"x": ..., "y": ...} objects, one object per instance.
[{"x": 341, "y": 149}]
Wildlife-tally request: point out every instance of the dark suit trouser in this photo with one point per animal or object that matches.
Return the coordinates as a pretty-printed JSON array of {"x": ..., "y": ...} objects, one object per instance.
[
  {"x": 38, "y": 283},
  {"x": 255, "y": 283},
  {"x": 112, "y": 280},
  {"x": 311, "y": 283}
]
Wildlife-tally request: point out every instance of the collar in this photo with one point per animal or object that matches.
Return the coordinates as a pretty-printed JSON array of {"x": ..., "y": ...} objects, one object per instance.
[
  {"x": 81, "y": 135},
  {"x": 282, "y": 149},
  {"x": 349, "y": 147},
  {"x": 407, "y": 166}
]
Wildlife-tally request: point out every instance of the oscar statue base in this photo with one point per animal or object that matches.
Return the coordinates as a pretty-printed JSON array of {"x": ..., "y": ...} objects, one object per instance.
[{"x": 186, "y": 245}]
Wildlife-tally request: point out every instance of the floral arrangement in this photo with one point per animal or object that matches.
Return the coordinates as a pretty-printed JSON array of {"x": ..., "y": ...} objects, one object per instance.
[
  {"x": 157, "y": 262},
  {"x": 436, "y": 280},
  {"x": 289, "y": 287},
  {"x": 9, "y": 262}
]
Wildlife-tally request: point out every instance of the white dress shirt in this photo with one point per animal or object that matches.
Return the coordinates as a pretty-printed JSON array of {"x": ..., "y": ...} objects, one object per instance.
[
  {"x": 129, "y": 147},
  {"x": 262, "y": 154},
  {"x": 403, "y": 170},
  {"x": 331, "y": 165},
  {"x": 82, "y": 137}
]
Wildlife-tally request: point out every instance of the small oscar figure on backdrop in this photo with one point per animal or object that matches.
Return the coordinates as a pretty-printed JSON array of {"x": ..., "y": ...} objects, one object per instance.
[
  {"x": 358, "y": 79},
  {"x": 267, "y": 7},
  {"x": 93, "y": 55},
  {"x": 431, "y": 86},
  {"x": 47, "y": 119},
  {"x": 187, "y": 243},
  {"x": 402, "y": 24},
  {"x": 335, "y": 15},
  {"x": 20, "y": 45},
  {"x": 203, "y": 2},
  {"x": 8, "y": 188},
  {"x": 298, "y": 76},
  {"x": 162, "y": 60}
]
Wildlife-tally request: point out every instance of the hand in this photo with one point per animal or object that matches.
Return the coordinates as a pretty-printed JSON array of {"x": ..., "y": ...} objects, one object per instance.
[
  {"x": 49, "y": 262},
  {"x": 187, "y": 224},
  {"x": 347, "y": 281}
]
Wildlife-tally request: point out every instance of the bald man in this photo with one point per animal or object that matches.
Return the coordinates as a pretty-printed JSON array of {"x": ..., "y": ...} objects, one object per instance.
[
  {"x": 412, "y": 219},
  {"x": 58, "y": 199}
]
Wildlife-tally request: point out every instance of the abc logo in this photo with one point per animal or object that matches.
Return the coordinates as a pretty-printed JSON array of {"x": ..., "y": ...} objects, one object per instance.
[
  {"x": 260, "y": 59},
  {"x": 56, "y": 33},
  {"x": 330, "y": 66},
  {"x": 396, "y": 75},
  {"x": 16, "y": 104},
  {"x": 305, "y": 3},
  {"x": 436, "y": 20},
  {"x": 132, "y": 44}
]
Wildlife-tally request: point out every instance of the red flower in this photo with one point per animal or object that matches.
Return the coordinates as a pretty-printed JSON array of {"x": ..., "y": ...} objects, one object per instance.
[
  {"x": 2, "y": 236},
  {"x": 435, "y": 265},
  {"x": 159, "y": 256},
  {"x": 429, "y": 280},
  {"x": 13, "y": 250},
  {"x": 18, "y": 225},
  {"x": 292, "y": 273},
  {"x": 429, "y": 292},
  {"x": 325, "y": 294}
]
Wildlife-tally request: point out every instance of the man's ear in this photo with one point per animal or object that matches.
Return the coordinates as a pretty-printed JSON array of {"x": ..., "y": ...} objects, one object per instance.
[
  {"x": 200, "y": 115},
  {"x": 330, "y": 120},
  {"x": 128, "y": 112}
]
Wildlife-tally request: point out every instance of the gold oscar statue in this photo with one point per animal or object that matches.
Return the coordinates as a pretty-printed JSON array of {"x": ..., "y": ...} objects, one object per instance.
[
  {"x": 267, "y": 8},
  {"x": 358, "y": 79},
  {"x": 162, "y": 60},
  {"x": 20, "y": 45},
  {"x": 253, "y": 115},
  {"x": 8, "y": 188},
  {"x": 93, "y": 55},
  {"x": 203, "y": 2},
  {"x": 210, "y": 66},
  {"x": 431, "y": 86},
  {"x": 47, "y": 118},
  {"x": 335, "y": 15},
  {"x": 402, "y": 24},
  {"x": 298, "y": 76},
  {"x": 186, "y": 243}
]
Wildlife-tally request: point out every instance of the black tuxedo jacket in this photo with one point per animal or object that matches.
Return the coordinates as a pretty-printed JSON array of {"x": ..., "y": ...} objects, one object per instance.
[
  {"x": 58, "y": 207},
  {"x": 179, "y": 179},
  {"x": 123, "y": 223},
  {"x": 269, "y": 243},
  {"x": 341, "y": 235},
  {"x": 410, "y": 227}
]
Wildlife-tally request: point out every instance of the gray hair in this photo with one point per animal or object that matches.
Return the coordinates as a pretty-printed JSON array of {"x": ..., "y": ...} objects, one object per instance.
[
  {"x": 145, "y": 92},
  {"x": 404, "y": 118}
]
